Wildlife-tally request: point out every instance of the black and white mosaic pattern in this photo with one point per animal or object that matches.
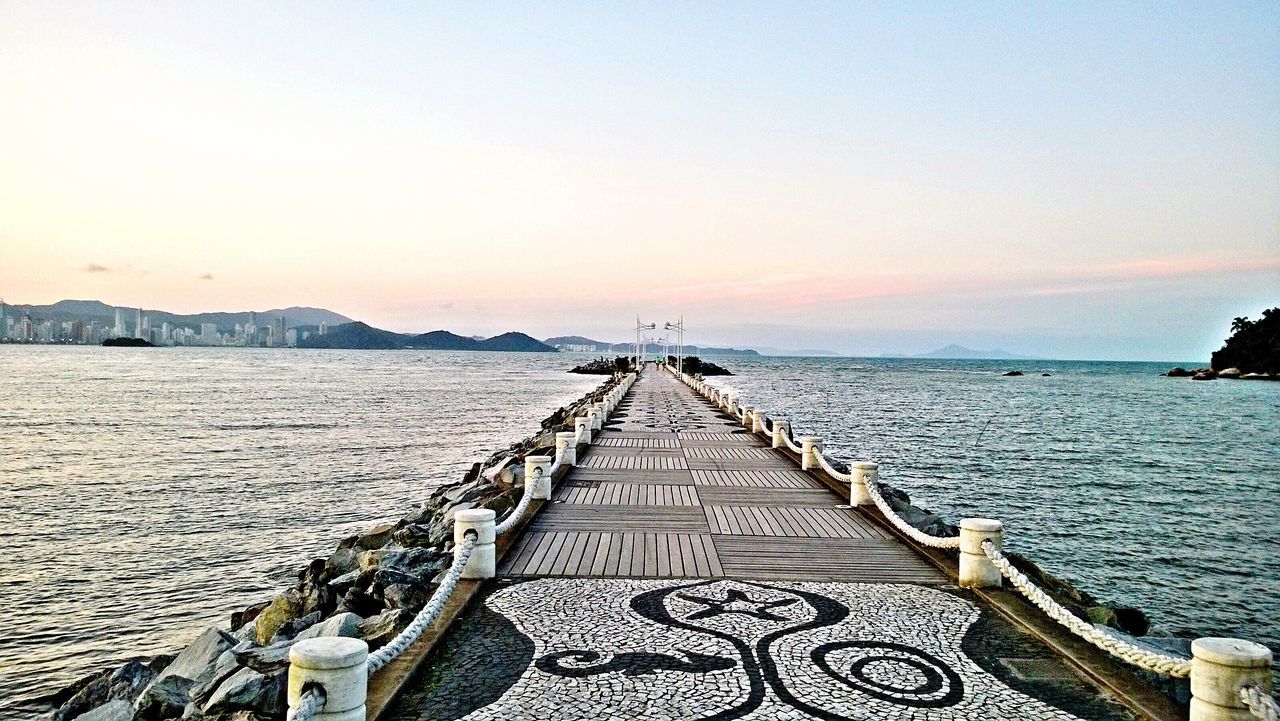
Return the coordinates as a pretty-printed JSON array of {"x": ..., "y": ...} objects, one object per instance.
[{"x": 719, "y": 650}]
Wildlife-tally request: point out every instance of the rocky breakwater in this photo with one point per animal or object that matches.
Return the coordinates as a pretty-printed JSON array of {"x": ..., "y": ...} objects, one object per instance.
[
  {"x": 604, "y": 367},
  {"x": 695, "y": 366},
  {"x": 370, "y": 587}
]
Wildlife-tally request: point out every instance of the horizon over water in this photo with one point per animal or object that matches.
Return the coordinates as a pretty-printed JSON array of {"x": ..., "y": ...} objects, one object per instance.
[{"x": 150, "y": 492}]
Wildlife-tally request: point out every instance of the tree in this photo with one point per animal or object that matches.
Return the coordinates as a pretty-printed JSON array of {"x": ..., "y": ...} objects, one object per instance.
[{"x": 1254, "y": 346}]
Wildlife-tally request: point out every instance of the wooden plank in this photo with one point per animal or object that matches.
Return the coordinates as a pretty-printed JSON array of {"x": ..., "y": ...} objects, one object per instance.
[
  {"x": 752, "y": 496},
  {"x": 848, "y": 560}
]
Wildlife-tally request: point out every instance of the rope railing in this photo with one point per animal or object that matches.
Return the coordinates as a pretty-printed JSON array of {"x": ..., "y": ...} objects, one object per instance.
[
  {"x": 429, "y": 612},
  {"x": 1261, "y": 704},
  {"x": 1141, "y": 657},
  {"x": 311, "y": 701},
  {"x": 915, "y": 534},
  {"x": 830, "y": 469},
  {"x": 522, "y": 507}
]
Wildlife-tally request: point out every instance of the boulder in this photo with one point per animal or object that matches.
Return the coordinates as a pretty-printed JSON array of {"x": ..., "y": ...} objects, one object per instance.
[
  {"x": 419, "y": 563},
  {"x": 313, "y": 584},
  {"x": 125, "y": 683},
  {"x": 380, "y": 629},
  {"x": 226, "y": 665},
  {"x": 342, "y": 624},
  {"x": 1229, "y": 373},
  {"x": 264, "y": 659},
  {"x": 410, "y": 596},
  {"x": 360, "y": 603},
  {"x": 342, "y": 561},
  {"x": 294, "y": 626},
  {"x": 1012, "y": 373},
  {"x": 163, "y": 699},
  {"x": 1179, "y": 372},
  {"x": 240, "y": 618},
  {"x": 193, "y": 666},
  {"x": 376, "y": 537},
  {"x": 417, "y": 535},
  {"x": 1204, "y": 374},
  {"x": 1257, "y": 377},
  {"x": 343, "y": 583},
  {"x": 285, "y": 607},
  {"x": 248, "y": 690},
  {"x": 117, "y": 710}
]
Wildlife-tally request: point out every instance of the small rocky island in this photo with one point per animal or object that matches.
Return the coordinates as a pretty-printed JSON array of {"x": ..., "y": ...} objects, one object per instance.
[
  {"x": 1251, "y": 353},
  {"x": 622, "y": 364},
  {"x": 128, "y": 343}
]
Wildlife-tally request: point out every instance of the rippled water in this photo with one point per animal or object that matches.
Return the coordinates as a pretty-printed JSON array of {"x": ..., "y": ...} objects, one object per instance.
[
  {"x": 147, "y": 493},
  {"x": 1155, "y": 492}
]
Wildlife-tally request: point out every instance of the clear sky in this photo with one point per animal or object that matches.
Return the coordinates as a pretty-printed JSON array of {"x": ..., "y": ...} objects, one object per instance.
[{"x": 1062, "y": 179}]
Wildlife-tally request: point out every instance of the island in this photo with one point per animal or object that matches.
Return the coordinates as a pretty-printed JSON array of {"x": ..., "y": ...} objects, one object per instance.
[{"x": 1251, "y": 353}]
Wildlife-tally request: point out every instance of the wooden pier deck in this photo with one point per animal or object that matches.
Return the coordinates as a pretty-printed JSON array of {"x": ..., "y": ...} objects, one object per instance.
[
  {"x": 673, "y": 488},
  {"x": 683, "y": 569}
]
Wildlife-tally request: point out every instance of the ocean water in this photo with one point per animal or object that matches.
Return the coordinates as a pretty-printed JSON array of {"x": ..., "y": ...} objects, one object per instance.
[
  {"x": 147, "y": 493},
  {"x": 1159, "y": 493}
]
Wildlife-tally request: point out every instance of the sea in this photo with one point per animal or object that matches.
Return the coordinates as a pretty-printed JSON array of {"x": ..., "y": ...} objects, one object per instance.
[{"x": 147, "y": 493}]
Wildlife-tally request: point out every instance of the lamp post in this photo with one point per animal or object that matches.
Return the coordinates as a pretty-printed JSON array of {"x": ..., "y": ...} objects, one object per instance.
[
  {"x": 679, "y": 329},
  {"x": 641, "y": 327}
]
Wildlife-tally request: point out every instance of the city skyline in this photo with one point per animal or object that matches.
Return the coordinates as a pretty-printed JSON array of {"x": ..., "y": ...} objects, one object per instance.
[{"x": 1086, "y": 181}]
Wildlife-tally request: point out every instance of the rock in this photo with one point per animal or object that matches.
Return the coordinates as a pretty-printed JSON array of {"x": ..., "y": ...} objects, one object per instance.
[
  {"x": 313, "y": 584},
  {"x": 163, "y": 699},
  {"x": 117, "y": 710},
  {"x": 1179, "y": 372},
  {"x": 240, "y": 618},
  {"x": 248, "y": 690},
  {"x": 1101, "y": 616},
  {"x": 1204, "y": 374},
  {"x": 360, "y": 603},
  {"x": 1229, "y": 373},
  {"x": 380, "y": 629},
  {"x": 342, "y": 624},
  {"x": 264, "y": 659},
  {"x": 415, "y": 535},
  {"x": 410, "y": 596},
  {"x": 1257, "y": 377},
  {"x": 343, "y": 583},
  {"x": 125, "y": 683},
  {"x": 1012, "y": 373},
  {"x": 1044, "y": 375},
  {"x": 1131, "y": 620},
  {"x": 376, "y": 537},
  {"x": 226, "y": 665},
  {"x": 284, "y": 607},
  {"x": 294, "y": 626},
  {"x": 419, "y": 563},
  {"x": 342, "y": 561}
]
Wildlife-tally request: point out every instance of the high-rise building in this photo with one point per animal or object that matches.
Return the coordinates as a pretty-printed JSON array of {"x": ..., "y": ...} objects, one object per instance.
[
  {"x": 324, "y": 328},
  {"x": 166, "y": 333},
  {"x": 277, "y": 332},
  {"x": 208, "y": 334},
  {"x": 137, "y": 325},
  {"x": 119, "y": 330}
]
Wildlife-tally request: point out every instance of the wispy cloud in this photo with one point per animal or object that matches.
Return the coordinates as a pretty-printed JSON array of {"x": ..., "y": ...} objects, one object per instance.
[
  {"x": 95, "y": 268},
  {"x": 206, "y": 276}
]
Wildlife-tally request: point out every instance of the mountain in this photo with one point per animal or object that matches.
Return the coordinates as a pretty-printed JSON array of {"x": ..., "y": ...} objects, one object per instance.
[
  {"x": 515, "y": 342},
  {"x": 960, "y": 352},
  {"x": 443, "y": 340},
  {"x": 94, "y": 310},
  {"x": 356, "y": 335},
  {"x": 361, "y": 336},
  {"x": 579, "y": 342}
]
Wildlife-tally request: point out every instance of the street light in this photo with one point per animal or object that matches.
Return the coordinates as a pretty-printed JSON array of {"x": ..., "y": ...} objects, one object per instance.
[
  {"x": 679, "y": 328},
  {"x": 641, "y": 327}
]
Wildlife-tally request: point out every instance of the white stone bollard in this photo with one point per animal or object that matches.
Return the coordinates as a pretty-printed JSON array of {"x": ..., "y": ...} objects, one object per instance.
[
  {"x": 864, "y": 474},
  {"x": 582, "y": 429},
  {"x": 758, "y": 421},
  {"x": 780, "y": 431},
  {"x": 748, "y": 419},
  {"x": 596, "y": 416},
  {"x": 567, "y": 447},
  {"x": 541, "y": 489},
  {"x": 484, "y": 561},
  {"x": 976, "y": 570},
  {"x": 810, "y": 447},
  {"x": 732, "y": 406},
  {"x": 338, "y": 664},
  {"x": 1220, "y": 667}
]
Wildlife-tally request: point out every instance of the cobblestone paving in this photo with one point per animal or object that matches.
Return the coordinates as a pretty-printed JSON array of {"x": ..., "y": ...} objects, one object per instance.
[{"x": 656, "y": 649}]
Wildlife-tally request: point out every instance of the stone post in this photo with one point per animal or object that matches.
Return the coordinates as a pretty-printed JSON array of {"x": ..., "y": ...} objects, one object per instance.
[
  {"x": 758, "y": 424},
  {"x": 567, "y": 448},
  {"x": 976, "y": 570},
  {"x": 597, "y": 417},
  {"x": 780, "y": 431},
  {"x": 338, "y": 665},
  {"x": 582, "y": 429},
  {"x": 748, "y": 417},
  {"x": 731, "y": 407},
  {"x": 810, "y": 447},
  {"x": 484, "y": 561},
  {"x": 1220, "y": 667},
  {"x": 541, "y": 488},
  {"x": 863, "y": 475}
]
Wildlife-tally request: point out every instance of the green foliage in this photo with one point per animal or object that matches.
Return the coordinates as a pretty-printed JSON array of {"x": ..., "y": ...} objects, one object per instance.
[{"x": 1254, "y": 346}]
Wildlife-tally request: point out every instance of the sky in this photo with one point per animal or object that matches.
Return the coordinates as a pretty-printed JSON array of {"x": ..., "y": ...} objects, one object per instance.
[{"x": 1068, "y": 180}]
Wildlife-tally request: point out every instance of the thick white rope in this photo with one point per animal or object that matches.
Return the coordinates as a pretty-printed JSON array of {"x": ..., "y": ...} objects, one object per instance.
[
  {"x": 311, "y": 701},
  {"x": 831, "y": 471},
  {"x": 1260, "y": 703},
  {"x": 1141, "y": 657},
  {"x": 514, "y": 517},
  {"x": 795, "y": 447},
  {"x": 429, "y": 612},
  {"x": 914, "y": 533}
]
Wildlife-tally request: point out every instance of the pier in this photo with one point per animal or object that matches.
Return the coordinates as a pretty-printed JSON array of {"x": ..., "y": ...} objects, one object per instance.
[{"x": 683, "y": 556}]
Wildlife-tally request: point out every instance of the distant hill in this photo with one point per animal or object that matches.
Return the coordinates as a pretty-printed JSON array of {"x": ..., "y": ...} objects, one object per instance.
[
  {"x": 360, "y": 336},
  {"x": 577, "y": 341},
  {"x": 94, "y": 310},
  {"x": 962, "y": 353}
]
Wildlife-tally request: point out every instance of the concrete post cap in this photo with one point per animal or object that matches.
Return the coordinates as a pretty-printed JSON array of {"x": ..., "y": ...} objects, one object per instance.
[
  {"x": 541, "y": 459},
  {"x": 865, "y": 466},
  {"x": 981, "y": 525},
  {"x": 1231, "y": 652},
  {"x": 565, "y": 435},
  {"x": 328, "y": 653},
  {"x": 810, "y": 439},
  {"x": 474, "y": 515}
]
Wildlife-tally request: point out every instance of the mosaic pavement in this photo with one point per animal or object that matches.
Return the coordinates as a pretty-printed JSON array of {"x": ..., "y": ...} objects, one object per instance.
[{"x": 722, "y": 649}]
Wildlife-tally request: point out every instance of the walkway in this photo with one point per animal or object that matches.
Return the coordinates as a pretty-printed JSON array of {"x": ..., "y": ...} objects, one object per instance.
[{"x": 686, "y": 570}]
